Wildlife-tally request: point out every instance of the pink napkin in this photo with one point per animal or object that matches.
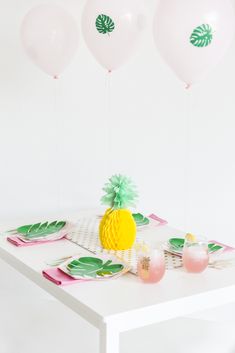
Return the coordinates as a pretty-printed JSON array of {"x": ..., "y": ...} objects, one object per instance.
[
  {"x": 60, "y": 278},
  {"x": 20, "y": 243},
  {"x": 226, "y": 247},
  {"x": 161, "y": 221}
]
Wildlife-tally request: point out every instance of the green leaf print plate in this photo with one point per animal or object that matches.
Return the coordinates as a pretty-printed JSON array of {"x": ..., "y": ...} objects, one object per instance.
[
  {"x": 176, "y": 245},
  {"x": 89, "y": 267},
  {"x": 140, "y": 219},
  {"x": 39, "y": 230}
]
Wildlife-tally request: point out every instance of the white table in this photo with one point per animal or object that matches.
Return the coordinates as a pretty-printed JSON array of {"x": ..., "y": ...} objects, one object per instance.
[{"x": 126, "y": 303}]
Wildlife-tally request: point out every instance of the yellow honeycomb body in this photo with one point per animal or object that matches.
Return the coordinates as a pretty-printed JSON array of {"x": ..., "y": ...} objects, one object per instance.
[{"x": 117, "y": 230}]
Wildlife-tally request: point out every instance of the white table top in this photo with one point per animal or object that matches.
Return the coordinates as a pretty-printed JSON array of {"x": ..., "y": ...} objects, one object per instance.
[{"x": 126, "y": 302}]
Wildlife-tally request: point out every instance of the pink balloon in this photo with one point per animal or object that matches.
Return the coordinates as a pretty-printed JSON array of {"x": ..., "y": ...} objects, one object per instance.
[
  {"x": 192, "y": 36},
  {"x": 112, "y": 30},
  {"x": 50, "y": 38}
]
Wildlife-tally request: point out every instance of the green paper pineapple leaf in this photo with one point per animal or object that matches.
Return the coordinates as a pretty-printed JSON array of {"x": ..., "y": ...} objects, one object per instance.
[
  {"x": 40, "y": 229},
  {"x": 104, "y": 24},
  {"x": 120, "y": 192},
  {"x": 202, "y": 36}
]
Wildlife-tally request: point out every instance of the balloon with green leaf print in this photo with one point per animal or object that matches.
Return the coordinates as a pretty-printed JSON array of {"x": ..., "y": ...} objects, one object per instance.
[
  {"x": 112, "y": 30},
  {"x": 193, "y": 36}
]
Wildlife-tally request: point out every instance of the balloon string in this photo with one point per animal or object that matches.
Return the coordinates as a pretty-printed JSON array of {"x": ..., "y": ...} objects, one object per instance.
[
  {"x": 56, "y": 141},
  {"x": 188, "y": 157},
  {"x": 108, "y": 117},
  {"x": 107, "y": 122}
]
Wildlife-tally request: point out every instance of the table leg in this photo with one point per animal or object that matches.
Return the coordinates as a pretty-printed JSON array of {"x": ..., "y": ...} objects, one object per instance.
[{"x": 109, "y": 339}]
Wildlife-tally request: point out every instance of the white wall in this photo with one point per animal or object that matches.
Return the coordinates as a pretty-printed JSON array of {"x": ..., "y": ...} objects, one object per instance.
[{"x": 58, "y": 144}]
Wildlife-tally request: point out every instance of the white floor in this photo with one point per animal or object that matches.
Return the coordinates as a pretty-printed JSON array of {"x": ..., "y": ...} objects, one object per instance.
[{"x": 30, "y": 321}]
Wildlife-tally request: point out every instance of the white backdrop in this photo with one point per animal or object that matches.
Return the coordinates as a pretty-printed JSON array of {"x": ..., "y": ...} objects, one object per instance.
[{"x": 59, "y": 141}]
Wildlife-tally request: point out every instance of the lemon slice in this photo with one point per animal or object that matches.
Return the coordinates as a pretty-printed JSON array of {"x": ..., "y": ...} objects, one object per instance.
[
  {"x": 190, "y": 237},
  {"x": 141, "y": 247}
]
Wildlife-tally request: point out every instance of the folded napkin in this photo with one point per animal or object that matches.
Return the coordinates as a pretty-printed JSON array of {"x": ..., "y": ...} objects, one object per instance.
[
  {"x": 227, "y": 248},
  {"x": 224, "y": 258},
  {"x": 161, "y": 221},
  {"x": 60, "y": 278},
  {"x": 20, "y": 243}
]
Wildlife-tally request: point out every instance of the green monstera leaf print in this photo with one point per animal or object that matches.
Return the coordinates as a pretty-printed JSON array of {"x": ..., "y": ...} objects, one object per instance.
[
  {"x": 93, "y": 267},
  {"x": 104, "y": 24},
  {"x": 38, "y": 230},
  {"x": 202, "y": 36}
]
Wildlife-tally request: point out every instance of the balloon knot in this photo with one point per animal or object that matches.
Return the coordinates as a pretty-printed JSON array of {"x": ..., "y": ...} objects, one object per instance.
[
  {"x": 109, "y": 71},
  {"x": 188, "y": 86},
  {"x": 55, "y": 77}
]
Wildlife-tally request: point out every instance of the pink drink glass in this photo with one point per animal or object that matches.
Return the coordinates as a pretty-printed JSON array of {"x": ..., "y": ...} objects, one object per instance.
[
  {"x": 151, "y": 266},
  {"x": 195, "y": 256}
]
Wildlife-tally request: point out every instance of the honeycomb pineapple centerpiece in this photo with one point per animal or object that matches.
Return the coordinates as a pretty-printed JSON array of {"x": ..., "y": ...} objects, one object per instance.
[{"x": 118, "y": 227}]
